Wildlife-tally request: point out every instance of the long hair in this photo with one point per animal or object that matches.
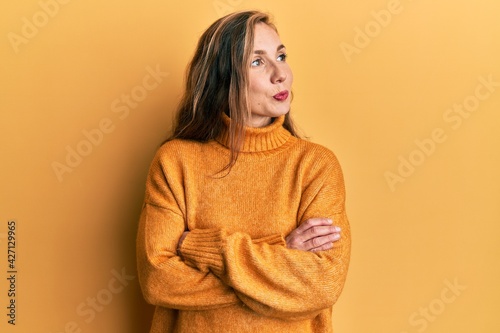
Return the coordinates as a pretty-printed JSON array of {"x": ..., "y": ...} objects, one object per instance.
[{"x": 217, "y": 81}]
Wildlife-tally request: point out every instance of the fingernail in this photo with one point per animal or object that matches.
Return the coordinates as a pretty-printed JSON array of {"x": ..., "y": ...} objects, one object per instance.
[
  {"x": 337, "y": 229},
  {"x": 330, "y": 221}
]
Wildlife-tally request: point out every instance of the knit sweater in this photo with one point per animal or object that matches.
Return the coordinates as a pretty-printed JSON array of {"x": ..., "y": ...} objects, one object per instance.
[{"x": 233, "y": 271}]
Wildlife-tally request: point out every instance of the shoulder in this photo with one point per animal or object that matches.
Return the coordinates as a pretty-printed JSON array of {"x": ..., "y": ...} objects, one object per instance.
[
  {"x": 322, "y": 173},
  {"x": 316, "y": 154},
  {"x": 177, "y": 149},
  {"x": 178, "y": 146},
  {"x": 172, "y": 154},
  {"x": 317, "y": 164}
]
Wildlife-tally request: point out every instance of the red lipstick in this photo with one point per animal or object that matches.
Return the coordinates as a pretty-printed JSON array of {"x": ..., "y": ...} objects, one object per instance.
[{"x": 281, "y": 96}]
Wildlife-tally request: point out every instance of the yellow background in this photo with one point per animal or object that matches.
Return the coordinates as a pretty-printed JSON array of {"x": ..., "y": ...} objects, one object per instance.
[{"x": 412, "y": 238}]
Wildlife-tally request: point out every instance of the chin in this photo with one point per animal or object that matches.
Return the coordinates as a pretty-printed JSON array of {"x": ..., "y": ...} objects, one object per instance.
[
  {"x": 274, "y": 113},
  {"x": 282, "y": 112}
]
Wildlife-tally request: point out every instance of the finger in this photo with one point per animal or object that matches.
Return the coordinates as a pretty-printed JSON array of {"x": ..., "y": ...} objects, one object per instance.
[
  {"x": 324, "y": 247},
  {"x": 313, "y": 222},
  {"x": 318, "y": 231},
  {"x": 296, "y": 239},
  {"x": 321, "y": 243}
]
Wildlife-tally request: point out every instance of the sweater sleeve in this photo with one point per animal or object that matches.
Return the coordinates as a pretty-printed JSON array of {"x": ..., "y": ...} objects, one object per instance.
[
  {"x": 271, "y": 279},
  {"x": 165, "y": 279}
]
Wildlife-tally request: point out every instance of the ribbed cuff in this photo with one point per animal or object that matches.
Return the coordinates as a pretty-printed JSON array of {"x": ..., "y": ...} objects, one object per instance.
[{"x": 203, "y": 249}]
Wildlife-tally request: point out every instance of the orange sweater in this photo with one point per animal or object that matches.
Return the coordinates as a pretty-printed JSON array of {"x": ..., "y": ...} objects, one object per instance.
[{"x": 235, "y": 273}]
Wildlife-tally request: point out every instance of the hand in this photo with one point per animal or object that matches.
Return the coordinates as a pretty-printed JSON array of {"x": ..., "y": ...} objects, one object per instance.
[
  {"x": 315, "y": 234},
  {"x": 184, "y": 234}
]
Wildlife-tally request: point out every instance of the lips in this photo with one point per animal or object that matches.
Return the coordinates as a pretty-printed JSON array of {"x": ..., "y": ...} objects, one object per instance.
[{"x": 281, "y": 96}]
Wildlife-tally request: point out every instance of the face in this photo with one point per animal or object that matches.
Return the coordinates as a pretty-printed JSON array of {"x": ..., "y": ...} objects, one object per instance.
[{"x": 270, "y": 78}]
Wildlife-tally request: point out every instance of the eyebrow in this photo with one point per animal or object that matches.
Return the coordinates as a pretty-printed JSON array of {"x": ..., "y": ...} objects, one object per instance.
[{"x": 280, "y": 47}]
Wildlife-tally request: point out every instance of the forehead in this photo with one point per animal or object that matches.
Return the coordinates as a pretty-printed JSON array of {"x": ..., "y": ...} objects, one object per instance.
[{"x": 265, "y": 37}]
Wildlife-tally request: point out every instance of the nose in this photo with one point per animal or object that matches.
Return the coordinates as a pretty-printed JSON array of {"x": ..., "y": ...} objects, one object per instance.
[{"x": 279, "y": 74}]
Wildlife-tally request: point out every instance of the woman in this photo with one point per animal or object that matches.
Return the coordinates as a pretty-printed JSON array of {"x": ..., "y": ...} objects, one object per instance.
[{"x": 236, "y": 231}]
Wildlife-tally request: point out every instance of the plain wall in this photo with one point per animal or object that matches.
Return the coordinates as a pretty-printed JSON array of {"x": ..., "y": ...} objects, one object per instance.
[{"x": 406, "y": 93}]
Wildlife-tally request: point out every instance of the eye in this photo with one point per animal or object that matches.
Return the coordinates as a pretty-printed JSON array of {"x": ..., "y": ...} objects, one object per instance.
[
  {"x": 282, "y": 57},
  {"x": 256, "y": 62}
]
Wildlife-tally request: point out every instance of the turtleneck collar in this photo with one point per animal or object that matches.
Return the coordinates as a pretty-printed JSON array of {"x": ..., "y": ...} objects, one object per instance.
[{"x": 258, "y": 139}]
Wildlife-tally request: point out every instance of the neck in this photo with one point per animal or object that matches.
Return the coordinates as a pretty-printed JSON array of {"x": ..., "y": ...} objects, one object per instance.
[{"x": 259, "y": 121}]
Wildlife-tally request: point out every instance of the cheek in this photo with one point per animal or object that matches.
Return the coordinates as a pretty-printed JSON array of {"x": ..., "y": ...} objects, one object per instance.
[
  {"x": 256, "y": 91},
  {"x": 290, "y": 76}
]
